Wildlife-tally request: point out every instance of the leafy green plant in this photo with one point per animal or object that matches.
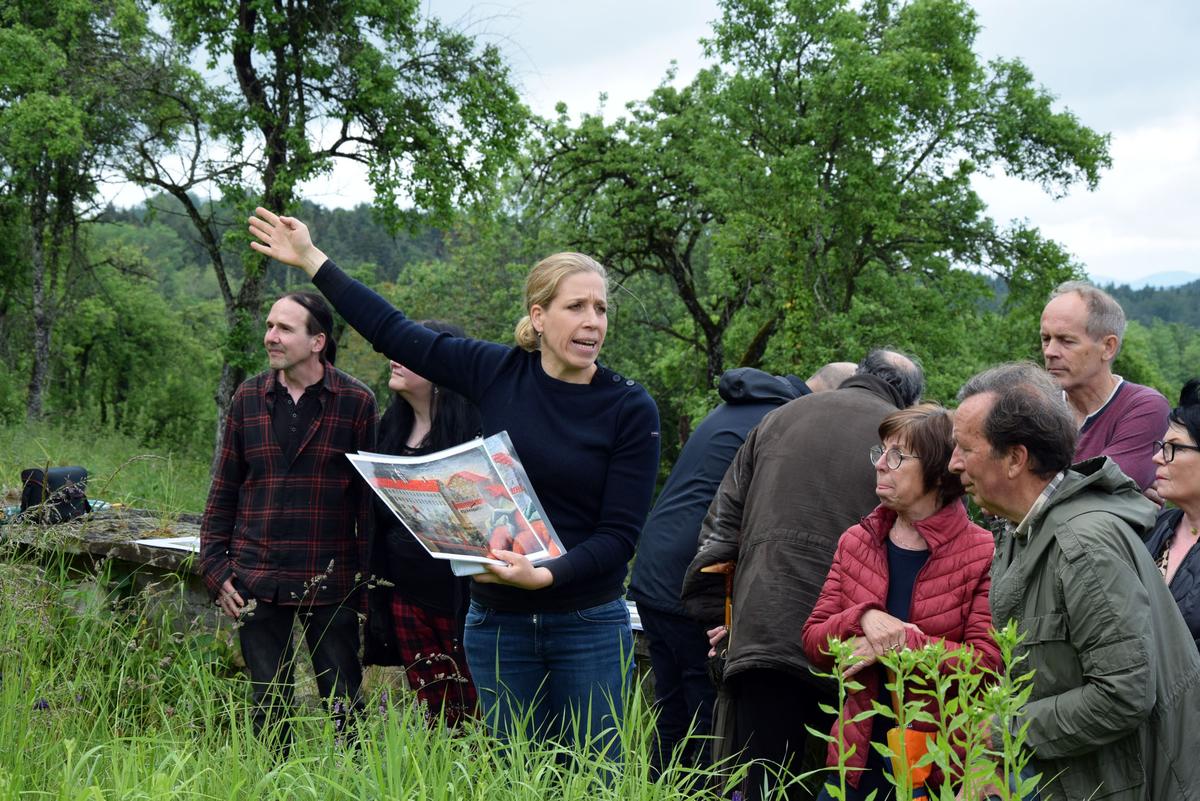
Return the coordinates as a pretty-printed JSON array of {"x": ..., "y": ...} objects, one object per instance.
[{"x": 959, "y": 702}]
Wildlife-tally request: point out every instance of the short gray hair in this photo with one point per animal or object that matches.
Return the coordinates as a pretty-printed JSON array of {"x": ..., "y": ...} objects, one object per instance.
[
  {"x": 1105, "y": 315},
  {"x": 1029, "y": 411},
  {"x": 900, "y": 370}
]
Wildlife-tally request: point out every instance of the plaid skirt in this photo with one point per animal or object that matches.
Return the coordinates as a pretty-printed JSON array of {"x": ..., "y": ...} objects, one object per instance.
[{"x": 431, "y": 653}]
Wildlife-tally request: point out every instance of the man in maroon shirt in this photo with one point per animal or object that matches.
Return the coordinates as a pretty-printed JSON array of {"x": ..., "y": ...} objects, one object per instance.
[
  {"x": 1082, "y": 328},
  {"x": 286, "y": 522}
]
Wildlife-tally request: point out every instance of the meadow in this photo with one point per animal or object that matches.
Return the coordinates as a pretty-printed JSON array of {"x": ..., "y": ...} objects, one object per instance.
[
  {"x": 106, "y": 695},
  {"x": 111, "y": 692},
  {"x": 121, "y": 469}
]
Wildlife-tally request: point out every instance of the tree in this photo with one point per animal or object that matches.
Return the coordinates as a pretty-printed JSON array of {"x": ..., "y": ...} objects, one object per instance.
[
  {"x": 64, "y": 114},
  {"x": 825, "y": 162},
  {"x": 292, "y": 87},
  {"x": 132, "y": 362}
]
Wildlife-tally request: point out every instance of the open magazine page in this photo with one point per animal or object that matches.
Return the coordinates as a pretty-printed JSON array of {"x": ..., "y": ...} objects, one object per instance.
[{"x": 455, "y": 502}]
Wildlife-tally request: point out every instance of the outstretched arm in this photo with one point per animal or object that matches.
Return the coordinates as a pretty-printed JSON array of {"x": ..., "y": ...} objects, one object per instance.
[
  {"x": 286, "y": 240},
  {"x": 465, "y": 365}
]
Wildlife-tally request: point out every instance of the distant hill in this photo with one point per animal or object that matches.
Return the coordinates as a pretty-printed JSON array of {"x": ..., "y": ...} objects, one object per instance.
[
  {"x": 1177, "y": 304},
  {"x": 1162, "y": 280},
  {"x": 1145, "y": 303}
]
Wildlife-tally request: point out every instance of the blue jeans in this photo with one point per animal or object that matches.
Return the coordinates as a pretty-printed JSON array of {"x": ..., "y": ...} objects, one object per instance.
[{"x": 559, "y": 673}]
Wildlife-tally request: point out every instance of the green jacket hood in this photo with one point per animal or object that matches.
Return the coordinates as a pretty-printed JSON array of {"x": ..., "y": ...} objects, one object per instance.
[{"x": 1109, "y": 490}]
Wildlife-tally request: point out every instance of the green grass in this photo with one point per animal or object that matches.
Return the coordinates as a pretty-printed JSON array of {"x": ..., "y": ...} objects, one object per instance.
[
  {"x": 110, "y": 694},
  {"x": 120, "y": 469},
  {"x": 103, "y": 697}
]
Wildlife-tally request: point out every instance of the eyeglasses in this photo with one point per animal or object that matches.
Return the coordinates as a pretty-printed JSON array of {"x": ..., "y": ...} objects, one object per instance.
[
  {"x": 1169, "y": 449},
  {"x": 895, "y": 456}
]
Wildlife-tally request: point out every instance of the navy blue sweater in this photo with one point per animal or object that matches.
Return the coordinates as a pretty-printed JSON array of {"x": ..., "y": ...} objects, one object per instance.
[{"x": 591, "y": 450}]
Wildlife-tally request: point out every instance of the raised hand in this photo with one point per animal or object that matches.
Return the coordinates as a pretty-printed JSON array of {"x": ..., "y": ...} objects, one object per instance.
[{"x": 286, "y": 240}]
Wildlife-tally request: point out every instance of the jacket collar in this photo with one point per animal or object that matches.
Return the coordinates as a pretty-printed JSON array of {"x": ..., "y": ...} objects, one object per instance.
[
  {"x": 1107, "y": 490},
  {"x": 938, "y": 529},
  {"x": 330, "y": 381},
  {"x": 875, "y": 385}
]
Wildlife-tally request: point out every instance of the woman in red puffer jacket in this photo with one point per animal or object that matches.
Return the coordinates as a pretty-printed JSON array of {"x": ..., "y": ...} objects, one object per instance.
[{"x": 914, "y": 571}]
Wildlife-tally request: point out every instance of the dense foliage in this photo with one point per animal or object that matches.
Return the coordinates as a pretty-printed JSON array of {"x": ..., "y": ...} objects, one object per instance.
[{"x": 803, "y": 198}]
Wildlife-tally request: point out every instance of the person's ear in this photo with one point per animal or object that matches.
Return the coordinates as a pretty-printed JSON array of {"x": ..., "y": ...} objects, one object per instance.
[
  {"x": 1108, "y": 347},
  {"x": 536, "y": 317},
  {"x": 1016, "y": 460},
  {"x": 318, "y": 343}
]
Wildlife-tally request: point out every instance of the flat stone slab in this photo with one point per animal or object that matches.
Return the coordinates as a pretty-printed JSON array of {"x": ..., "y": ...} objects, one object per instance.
[{"x": 133, "y": 535}]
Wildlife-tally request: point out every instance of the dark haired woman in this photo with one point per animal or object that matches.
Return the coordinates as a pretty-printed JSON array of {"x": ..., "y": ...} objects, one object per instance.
[
  {"x": 548, "y": 643},
  {"x": 1174, "y": 542},
  {"x": 913, "y": 571},
  {"x": 417, "y": 621}
]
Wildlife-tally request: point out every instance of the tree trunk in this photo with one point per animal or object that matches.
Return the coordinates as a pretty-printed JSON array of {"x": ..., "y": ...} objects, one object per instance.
[
  {"x": 41, "y": 366},
  {"x": 41, "y": 311},
  {"x": 243, "y": 317},
  {"x": 231, "y": 377}
]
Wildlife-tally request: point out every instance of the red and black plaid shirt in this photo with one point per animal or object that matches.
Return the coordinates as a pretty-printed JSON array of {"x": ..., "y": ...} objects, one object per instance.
[{"x": 290, "y": 532}]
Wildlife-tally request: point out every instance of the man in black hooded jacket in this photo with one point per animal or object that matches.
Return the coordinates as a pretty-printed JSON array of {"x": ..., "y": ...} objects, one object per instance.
[{"x": 678, "y": 644}]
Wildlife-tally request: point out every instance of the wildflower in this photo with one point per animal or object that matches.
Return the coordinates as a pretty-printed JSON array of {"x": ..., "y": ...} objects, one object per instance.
[{"x": 41, "y": 704}]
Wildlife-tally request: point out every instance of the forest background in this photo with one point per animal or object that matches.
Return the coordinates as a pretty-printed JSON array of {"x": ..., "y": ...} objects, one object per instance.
[{"x": 805, "y": 197}]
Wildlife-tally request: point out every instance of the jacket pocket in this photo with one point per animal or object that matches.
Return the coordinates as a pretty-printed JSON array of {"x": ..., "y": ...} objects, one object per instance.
[
  {"x": 1051, "y": 654},
  {"x": 1108, "y": 771},
  {"x": 1046, "y": 628}
]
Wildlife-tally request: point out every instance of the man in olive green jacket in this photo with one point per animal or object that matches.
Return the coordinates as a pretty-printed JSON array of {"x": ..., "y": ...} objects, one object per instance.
[{"x": 1115, "y": 708}]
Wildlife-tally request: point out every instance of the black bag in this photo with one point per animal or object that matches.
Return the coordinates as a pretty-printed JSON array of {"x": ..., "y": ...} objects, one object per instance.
[{"x": 54, "y": 495}]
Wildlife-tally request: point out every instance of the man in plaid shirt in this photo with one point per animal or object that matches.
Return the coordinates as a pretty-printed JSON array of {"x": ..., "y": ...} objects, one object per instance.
[{"x": 287, "y": 517}]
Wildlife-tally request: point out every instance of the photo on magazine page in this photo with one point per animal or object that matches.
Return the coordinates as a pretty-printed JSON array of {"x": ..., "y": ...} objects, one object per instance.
[{"x": 504, "y": 456}]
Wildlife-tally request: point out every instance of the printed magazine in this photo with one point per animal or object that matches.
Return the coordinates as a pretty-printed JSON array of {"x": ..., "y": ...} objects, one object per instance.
[{"x": 463, "y": 502}]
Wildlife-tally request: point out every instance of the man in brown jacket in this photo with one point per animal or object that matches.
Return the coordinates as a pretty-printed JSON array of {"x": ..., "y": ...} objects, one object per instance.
[{"x": 801, "y": 479}]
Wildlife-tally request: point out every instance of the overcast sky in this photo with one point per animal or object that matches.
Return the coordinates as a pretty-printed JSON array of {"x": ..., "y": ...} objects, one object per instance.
[{"x": 1128, "y": 68}]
